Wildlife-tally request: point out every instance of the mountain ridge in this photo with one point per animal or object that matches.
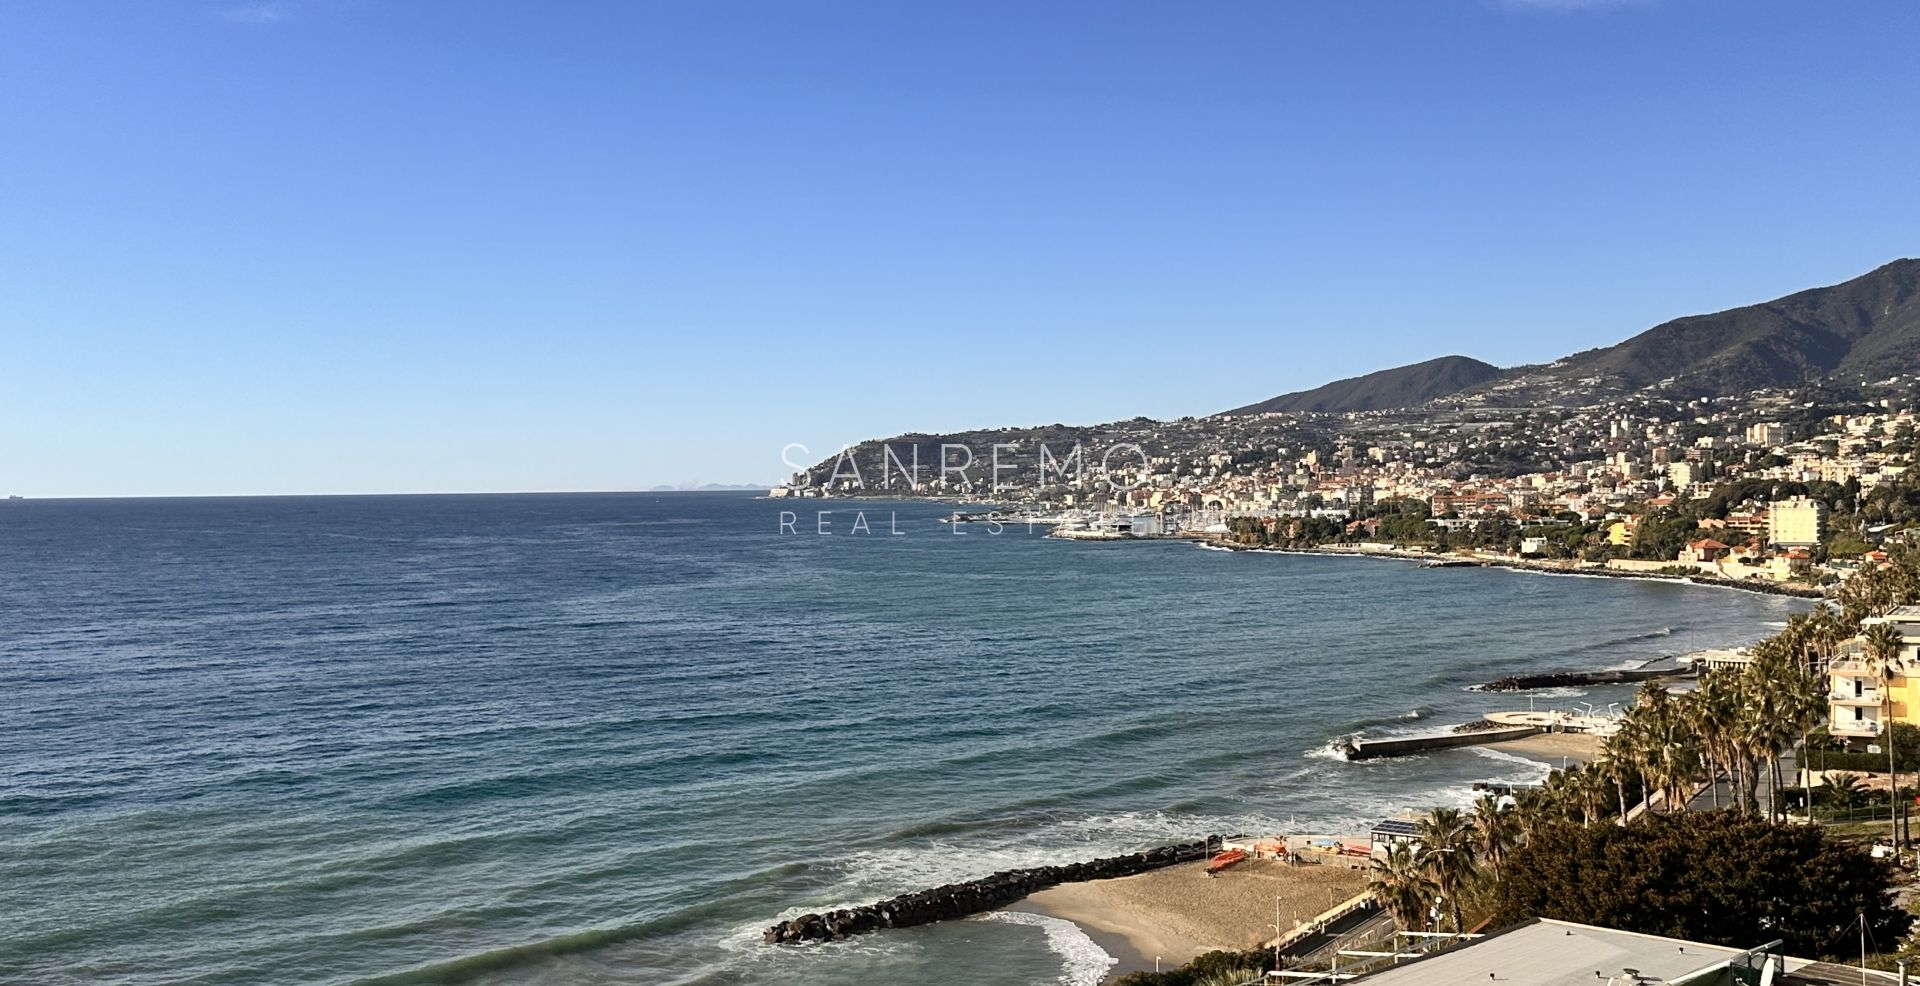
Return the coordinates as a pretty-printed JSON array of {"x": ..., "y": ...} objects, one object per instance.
[
  {"x": 1866, "y": 327},
  {"x": 1861, "y": 328},
  {"x": 1400, "y": 386}
]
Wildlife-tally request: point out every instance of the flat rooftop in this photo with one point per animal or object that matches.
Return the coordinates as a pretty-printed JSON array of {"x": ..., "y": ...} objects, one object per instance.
[{"x": 1556, "y": 953}]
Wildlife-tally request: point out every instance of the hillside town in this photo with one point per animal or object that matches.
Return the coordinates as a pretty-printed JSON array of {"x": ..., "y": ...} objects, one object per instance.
[{"x": 1779, "y": 486}]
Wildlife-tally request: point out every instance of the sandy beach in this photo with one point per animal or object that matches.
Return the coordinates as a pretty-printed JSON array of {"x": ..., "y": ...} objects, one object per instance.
[
  {"x": 1552, "y": 748},
  {"x": 1179, "y": 912}
]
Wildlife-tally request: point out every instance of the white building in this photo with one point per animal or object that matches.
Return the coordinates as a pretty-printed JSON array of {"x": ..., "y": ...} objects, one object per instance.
[
  {"x": 1545, "y": 952},
  {"x": 1767, "y": 433},
  {"x": 1855, "y": 703}
]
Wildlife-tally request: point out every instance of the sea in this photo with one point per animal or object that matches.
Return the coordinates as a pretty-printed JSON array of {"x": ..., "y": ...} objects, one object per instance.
[{"x": 608, "y": 738}]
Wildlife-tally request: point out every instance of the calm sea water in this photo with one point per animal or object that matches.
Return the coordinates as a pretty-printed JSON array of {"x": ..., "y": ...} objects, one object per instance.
[{"x": 608, "y": 738}]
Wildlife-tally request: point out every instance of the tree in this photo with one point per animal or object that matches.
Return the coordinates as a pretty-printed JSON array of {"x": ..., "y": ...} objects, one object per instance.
[
  {"x": 1712, "y": 711},
  {"x": 1532, "y": 810},
  {"x": 1493, "y": 831},
  {"x": 1666, "y": 742},
  {"x": 1883, "y": 657},
  {"x": 1622, "y": 761},
  {"x": 1446, "y": 853},
  {"x": 1718, "y": 877},
  {"x": 1399, "y": 882},
  {"x": 1844, "y": 790},
  {"x": 1231, "y": 977},
  {"x": 1212, "y": 967}
]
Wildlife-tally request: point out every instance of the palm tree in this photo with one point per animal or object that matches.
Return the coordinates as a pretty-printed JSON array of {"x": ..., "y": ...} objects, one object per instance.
[
  {"x": 1845, "y": 789},
  {"x": 1532, "y": 808},
  {"x": 1826, "y": 631},
  {"x": 1399, "y": 882},
  {"x": 1677, "y": 756},
  {"x": 1446, "y": 853},
  {"x": 1588, "y": 786},
  {"x": 1492, "y": 831},
  {"x": 1712, "y": 712},
  {"x": 1803, "y": 701},
  {"x": 1667, "y": 744},
  {"x": 1753, "y": 736},
  {"x": 1767, "y": 718},
  {"x": 1556, "y": 801},
  {"x": 1617, "y": 753},
  {"x": 1883, "y": 657}
]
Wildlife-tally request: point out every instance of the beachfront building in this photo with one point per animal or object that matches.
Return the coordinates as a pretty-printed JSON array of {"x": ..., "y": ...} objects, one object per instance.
[
  {"x": 1703, "y": 553},
  {"x": 1861, "y": 698},
  {"x": 1797, "y": 522},
  {"x": 1390, "y": 832}
]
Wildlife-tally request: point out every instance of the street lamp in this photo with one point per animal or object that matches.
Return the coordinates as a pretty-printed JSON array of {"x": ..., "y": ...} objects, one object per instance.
[
  {"x": 1438, "y": 900},
  {"x": 1276, "y": 933}
]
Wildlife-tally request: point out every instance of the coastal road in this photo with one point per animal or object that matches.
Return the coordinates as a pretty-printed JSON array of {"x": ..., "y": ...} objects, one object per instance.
[{"x": 1721, "y": 793}]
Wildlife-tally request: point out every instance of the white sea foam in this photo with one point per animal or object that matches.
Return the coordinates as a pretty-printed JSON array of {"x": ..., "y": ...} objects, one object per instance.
[
  {"x": 1539, "y": 768},
  {"x": 1333, "y": 750},
  {"x": 871, "y": 874},
  {"x": 1086, "y": 962}
]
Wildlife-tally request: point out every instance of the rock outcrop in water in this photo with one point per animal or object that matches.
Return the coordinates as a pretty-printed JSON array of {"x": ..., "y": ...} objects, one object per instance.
[{"x": 958, "y": 900}]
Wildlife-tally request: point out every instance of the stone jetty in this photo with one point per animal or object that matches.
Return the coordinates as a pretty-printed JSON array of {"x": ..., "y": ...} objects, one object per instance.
[
  {"x": 958, "y": 900},
  {"x": 1400, "y": 746},
  {"x": 1561, "y": 679}
]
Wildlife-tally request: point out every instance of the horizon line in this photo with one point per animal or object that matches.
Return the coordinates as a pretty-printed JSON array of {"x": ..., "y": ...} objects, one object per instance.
[{"x": 722, "y": 488}]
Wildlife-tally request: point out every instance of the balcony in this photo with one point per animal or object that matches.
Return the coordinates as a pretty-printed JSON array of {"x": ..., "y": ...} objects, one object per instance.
[
  {"x": 1854, "y": 727},
  {"x": 1867, "y": 697}
]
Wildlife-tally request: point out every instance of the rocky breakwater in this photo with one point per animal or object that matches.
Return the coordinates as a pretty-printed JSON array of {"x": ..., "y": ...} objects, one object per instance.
[
  {"x": 1562, "y": 679},
  {"x": 958, "y": 900}
]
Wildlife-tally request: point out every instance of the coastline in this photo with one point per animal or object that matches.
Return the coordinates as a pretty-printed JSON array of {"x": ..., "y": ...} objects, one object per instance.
[
  {"x": 1538, "y": 567},
  {"x": 1515, "y": 564},
  {"x": 1179, "y": 913},
  {"x": 1552, "y": 749},
  {"x": 1170, "y": 916}
]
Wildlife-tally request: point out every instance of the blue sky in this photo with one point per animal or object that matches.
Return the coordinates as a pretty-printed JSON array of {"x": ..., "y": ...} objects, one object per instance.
[{"x": 357, "y": 246}]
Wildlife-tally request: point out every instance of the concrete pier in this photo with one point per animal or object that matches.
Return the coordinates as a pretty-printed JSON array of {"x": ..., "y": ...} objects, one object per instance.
[{"x": 1367, "y": 749}]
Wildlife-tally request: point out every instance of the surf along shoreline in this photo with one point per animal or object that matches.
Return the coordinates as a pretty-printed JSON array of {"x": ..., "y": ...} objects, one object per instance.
[
  {"x": 1169, "y": 916},
  {"x": 1158, "y": 908},
  {"x": 1440, "y": 560}
]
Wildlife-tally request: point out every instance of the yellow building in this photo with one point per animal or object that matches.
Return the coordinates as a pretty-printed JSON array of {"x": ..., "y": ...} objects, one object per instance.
[
  {"x": 1855, "y": 703},
  {"x": 1796, "y": 522},
  {"x": 1620, "y": 532}
]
